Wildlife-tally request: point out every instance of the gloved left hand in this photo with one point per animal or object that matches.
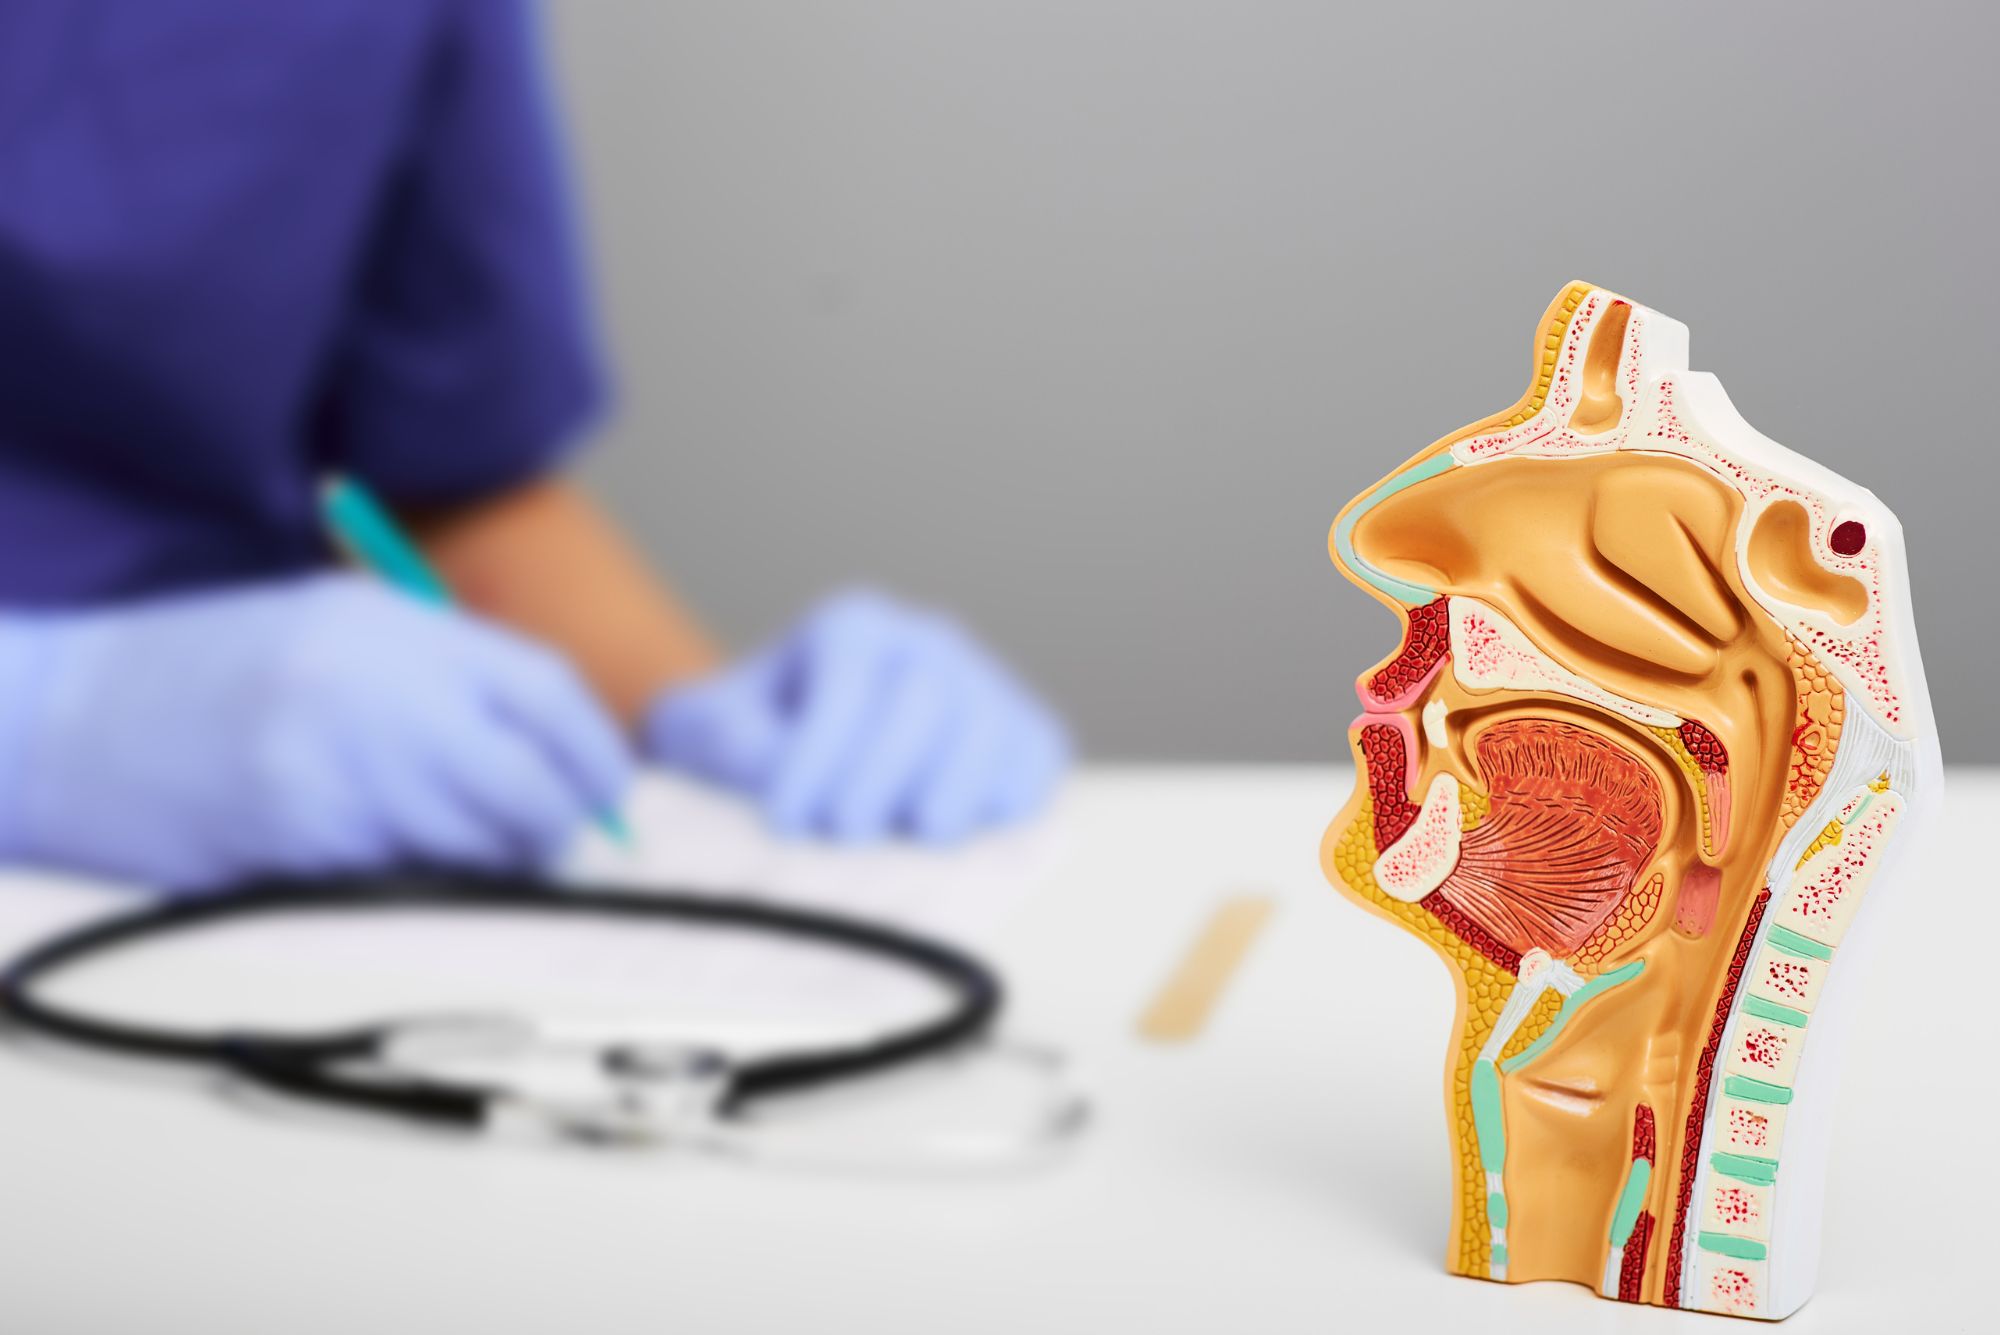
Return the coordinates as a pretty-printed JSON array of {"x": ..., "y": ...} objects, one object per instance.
[{"x": 868, "y": 718}]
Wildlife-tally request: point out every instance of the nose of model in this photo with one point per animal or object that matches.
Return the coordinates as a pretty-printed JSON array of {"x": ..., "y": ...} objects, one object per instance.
[{"x": 1392, "y": 566}]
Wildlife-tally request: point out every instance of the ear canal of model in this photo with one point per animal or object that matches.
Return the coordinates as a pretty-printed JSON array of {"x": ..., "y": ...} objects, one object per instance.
[
  {"x": 1598, "y": 405},
  {"x": 1782, "y": 561}
]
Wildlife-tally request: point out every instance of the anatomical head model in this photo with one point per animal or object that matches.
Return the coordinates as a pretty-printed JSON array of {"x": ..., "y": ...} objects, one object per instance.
[{"x": 1656, "y": 732}]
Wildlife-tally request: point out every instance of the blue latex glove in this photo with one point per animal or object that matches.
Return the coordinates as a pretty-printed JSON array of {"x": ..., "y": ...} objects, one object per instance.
[
  {"x": 866, "y": 719},
  {"x": 316, "y": 725}
]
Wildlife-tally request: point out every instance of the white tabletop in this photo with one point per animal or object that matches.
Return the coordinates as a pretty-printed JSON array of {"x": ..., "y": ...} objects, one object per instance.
[{"x": 1287, "y": 1171}]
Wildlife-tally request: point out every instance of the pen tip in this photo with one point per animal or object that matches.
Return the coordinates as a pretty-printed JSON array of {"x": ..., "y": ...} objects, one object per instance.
[{"x": 613, "y": 824}]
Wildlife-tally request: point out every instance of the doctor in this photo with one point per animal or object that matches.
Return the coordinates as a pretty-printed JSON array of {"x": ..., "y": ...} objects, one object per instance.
[{"x": 244, "y": 244}]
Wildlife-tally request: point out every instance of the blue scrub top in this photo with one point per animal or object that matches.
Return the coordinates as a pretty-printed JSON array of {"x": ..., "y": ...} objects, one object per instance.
[{"x": 246, "y": 241}]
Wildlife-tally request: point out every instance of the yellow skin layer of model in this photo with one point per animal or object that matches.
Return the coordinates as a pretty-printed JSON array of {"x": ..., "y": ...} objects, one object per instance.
[{"x": 1632, "y": 644}]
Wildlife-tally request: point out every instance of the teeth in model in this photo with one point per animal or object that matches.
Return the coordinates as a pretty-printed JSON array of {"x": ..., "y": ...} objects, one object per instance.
[{"x": 1434, "y": 733}]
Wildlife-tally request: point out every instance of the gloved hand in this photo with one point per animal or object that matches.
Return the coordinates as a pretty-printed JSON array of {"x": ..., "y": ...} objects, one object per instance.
[
  {"x": 868, "y": 718},
  {"x": 316, "y": 725}
]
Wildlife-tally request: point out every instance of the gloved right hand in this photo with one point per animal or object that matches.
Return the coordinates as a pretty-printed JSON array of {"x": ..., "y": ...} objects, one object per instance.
[{"x": 317, "y": 725}]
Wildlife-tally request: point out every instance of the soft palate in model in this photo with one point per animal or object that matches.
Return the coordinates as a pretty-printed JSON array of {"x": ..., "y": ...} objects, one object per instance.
[{"x": 1654, "y": 753}]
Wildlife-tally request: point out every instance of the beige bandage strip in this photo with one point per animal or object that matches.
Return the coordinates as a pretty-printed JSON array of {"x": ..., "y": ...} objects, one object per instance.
[{"x": 1183, "y": 1004}]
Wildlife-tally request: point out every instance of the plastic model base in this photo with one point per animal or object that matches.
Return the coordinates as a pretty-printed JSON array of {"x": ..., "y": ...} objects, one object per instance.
[{"x": 1655, "y": 744}]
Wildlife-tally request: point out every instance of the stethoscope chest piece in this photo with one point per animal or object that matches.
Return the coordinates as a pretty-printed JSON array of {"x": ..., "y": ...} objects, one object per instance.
[{"x": 545, "y": 1082}]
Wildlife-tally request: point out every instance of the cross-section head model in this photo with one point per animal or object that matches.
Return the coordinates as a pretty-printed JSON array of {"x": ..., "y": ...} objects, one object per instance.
[{"x": 1653, "y": 750}]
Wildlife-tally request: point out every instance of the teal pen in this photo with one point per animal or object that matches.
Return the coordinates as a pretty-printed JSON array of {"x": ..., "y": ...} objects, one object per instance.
[{"x": 364, "y": 530}]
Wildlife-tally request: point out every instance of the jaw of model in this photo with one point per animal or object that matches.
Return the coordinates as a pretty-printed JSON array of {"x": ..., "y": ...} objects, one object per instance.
[{"x": 1656, "y": 727}]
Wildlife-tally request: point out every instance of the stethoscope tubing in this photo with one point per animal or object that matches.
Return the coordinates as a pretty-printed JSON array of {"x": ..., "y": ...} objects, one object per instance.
[{"x": 314, "y": 1066}]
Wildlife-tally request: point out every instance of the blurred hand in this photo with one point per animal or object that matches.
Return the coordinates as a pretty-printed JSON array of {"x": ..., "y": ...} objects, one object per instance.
[
  {"x": 318, "y": 725},
  {"x": 868, "y": 718}
]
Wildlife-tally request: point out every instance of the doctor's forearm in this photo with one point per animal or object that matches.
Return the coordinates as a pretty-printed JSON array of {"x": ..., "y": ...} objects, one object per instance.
[{"x": 546, "y": 560}]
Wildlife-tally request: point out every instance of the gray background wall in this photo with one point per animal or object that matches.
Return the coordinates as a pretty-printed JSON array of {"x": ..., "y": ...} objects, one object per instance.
[{"x": 1086, "y": 317}]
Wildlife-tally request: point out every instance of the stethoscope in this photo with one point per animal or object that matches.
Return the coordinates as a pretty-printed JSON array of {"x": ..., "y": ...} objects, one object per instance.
[{"x": 643, "y": 1092}]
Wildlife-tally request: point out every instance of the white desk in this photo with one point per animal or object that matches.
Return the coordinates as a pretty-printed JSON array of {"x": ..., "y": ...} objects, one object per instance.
[{"x": 1287, "y": 1172}]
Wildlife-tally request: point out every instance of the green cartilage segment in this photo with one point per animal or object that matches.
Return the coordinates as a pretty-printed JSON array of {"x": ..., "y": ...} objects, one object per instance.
[
  {"x": 1756, "y": 1091},
  {"x": 1487, "y": 1123},
  {"x": 1789, "y": 941},
  {"x": 1771, "y": 1010},
  {"x": 1603, "y": 982},
  {"x": 1745, "y": 1168},
  {"x": 1630, "y": 1201},
  {"x": 1491, "y": 1129},
  {"x": 1343, "y": 532},
  {"x": 1743, "y": 1249}
]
